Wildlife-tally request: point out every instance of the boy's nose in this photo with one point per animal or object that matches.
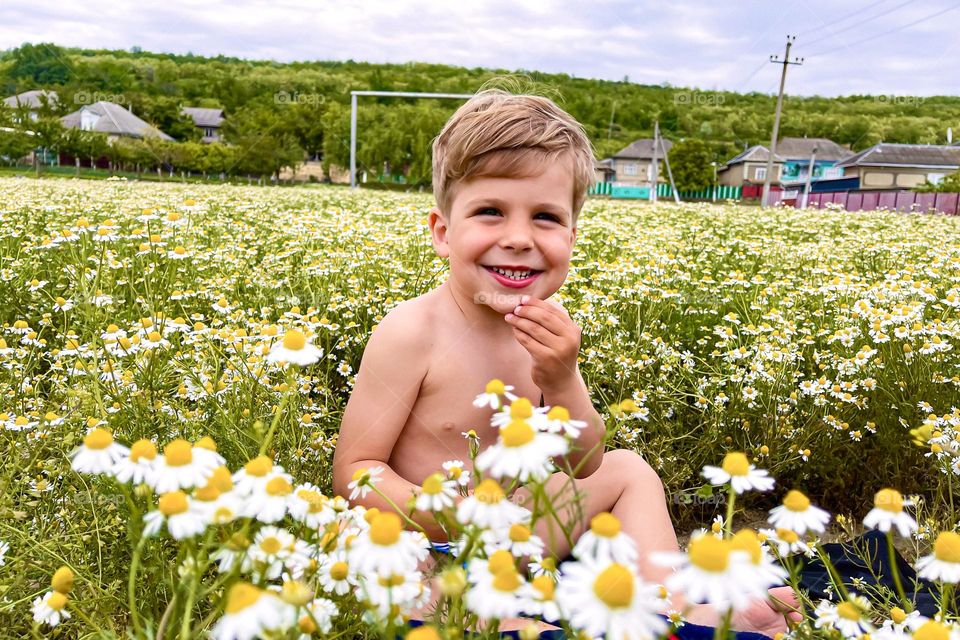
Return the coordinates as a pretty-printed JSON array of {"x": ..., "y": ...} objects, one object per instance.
[{"x": 517, "y": 236}]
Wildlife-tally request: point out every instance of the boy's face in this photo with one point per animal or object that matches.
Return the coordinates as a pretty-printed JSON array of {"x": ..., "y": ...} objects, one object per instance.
[{"x": 522, "y": 224}]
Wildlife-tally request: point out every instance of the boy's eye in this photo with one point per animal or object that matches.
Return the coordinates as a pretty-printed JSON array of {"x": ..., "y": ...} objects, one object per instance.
[{"x": 549, "y": 216}]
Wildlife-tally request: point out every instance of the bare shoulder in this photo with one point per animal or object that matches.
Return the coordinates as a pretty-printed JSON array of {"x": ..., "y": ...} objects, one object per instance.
[{"x": 405, "y": 327}]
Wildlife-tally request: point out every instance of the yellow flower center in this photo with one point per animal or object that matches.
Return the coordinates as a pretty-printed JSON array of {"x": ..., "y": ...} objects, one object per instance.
[
  {"x": 241, "y": 596},
  {"x": 426, "y": 632},
  {"x": 520, "y": 409},
  {"x": 170, "y": 504},
  {"x": 178, "y": 453},
  {"x": 549, "y": 565},
  {"x": 559, "y": 413},
  {"x": 517, "y": 434},
  {"x": 20, "y": 421},
  {"x": 898, "y": 615},
  {"x": 605, "y": 525},
  {"x": 796, "y": 501},
  {"x": 496, "y": 386},
  {"x": 207, "y": 493},
  {"x": 314, "y": 500},
  {"x": 747, "y": 540},
  {"x": 221, "y": 479},
  {"x": 519, "y": 533},
  {"x": 614, "y": 586},
  {"x": 271, "y": 545},
  {"x": 499, "y": 561},
  {"x": 433, "y": 485},
  {"x": 50, "y": 416},
  {"x": 142, "y": 449},
  {"x": 736, "y": 464},
  {"x": 931, "y": 630},
  {"x": 545, "y": 585},
  {"x": 206, "y": 442},
  {"x": 62, "y": 580},
  {"x": 947, "y": 547},
  {"x": 787, "y": 535},
  {"x": 98, "y": 439},
  {"x": 455, "y": 472},
  {"x": 710, "y": 553},
  {"x": 306, "y": 625},
  {"x": 393, "y": 580},
  {"x": 848, "y": 611},
  {"x": 339, "y": 571},
  {"x": 489, "y": 492},
  {"x": 294, "y": 340},
  {"x": 507, "y": 580},
  {"x": 258, "y": 467},
  {"x": 888, "y": 500},
  {"x": 385, "y": 529},
  {"x": 57, "y": 601},
  {"x": 154, "y": 336},
  {"x": 279, "y": 487}
]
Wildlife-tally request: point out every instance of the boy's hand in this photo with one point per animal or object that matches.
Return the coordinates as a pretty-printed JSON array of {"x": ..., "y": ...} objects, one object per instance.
[{"x": 546, "y": 331}]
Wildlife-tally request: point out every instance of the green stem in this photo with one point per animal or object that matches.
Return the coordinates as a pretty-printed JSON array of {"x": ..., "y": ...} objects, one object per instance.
[
  {"x": 731, "y": 502},
  {"x": 399, "y": 511},
  {"x": 907, "y": 604},
  {"x": 946, "y": 596},
  {"x": 279, "y": 414},
  {"x": 132, "y": 584}
]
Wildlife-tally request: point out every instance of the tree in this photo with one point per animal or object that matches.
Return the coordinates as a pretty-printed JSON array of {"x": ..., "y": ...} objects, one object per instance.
[
  {"x": 690, "y": 160},
  {"x": 43, "y": 63},
  {"x": 83, "y": 144}
]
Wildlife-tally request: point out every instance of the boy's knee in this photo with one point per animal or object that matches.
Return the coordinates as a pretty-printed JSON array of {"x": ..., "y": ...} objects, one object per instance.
[{"x": 632, "y": 466}]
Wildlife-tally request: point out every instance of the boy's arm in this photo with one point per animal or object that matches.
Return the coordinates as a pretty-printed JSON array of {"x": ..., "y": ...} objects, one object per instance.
[
  {"x": 388, "y": 380},
  {"x": 574, "y": 396}
]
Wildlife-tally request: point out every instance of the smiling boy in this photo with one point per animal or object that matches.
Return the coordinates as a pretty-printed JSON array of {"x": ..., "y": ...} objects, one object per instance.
[{"x": 511, "y": 173}]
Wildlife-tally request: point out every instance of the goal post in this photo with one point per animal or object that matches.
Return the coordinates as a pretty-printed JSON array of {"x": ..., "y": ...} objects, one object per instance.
[{"x": 387, "y": 94}]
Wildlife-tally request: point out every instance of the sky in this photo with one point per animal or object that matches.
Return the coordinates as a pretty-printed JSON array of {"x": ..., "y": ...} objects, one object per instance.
[{"x": 877, "y": 47}]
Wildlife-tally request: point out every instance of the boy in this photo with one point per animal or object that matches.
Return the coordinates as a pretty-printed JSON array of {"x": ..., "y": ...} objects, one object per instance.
[{"x": 510, "y": 175}]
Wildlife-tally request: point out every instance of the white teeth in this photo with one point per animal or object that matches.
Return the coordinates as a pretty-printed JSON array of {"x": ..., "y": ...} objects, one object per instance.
[{"x": 513, "y": 275}]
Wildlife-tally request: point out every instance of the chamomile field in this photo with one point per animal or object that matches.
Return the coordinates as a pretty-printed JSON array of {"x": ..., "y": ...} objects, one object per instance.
[{"x": 175, "y": 360}]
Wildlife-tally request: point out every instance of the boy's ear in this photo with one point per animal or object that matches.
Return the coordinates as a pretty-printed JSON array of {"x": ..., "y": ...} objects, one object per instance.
[{"x": 438, "y": 231}]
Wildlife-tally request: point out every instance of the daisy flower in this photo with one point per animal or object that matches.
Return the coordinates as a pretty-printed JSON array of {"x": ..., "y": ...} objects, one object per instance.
[
  {"x": 295, "y": 348},
  {"x": 738, "y": 471},
  {"x": 797, "y": 514},
  {"x": 4, "y": 548},
  {"x": 520, "y": 409},
  {"x": 180, "y": 513},
  {"x": 712, "y": 571},
  {"x": 50, "y": 608},
  {"x": 608, "y": 598},
  {"x": 436, "y": 494},
  {"x": 605, "y": 542},
  {"x": 250, "y": 612},
  {"x": 558, "y": 419},
  {"x": 543, "y": 600},
  {"x": 488, "y": 507},
  {"x": 334, "y": 574},
  {"x": 888, "y": 511},
  {"x": 387, "y": 594},
  {"x": 521, "y": 452},
  {"x": 518, "y": 540},
  {"x": 138, "y": 466},
  {"x": 491, "y": 395},
  {"x": 309, "y": 506},
  {"x": 846, "y": 617},
  {"x": 943, "y": 565},
  {"x": 786, "y": 541},
  {"x": 217, "y": 500},
  {"x": 385, "y": 548},
  {"x": 270, "y": 549},
  {"x": 98, "y": 453},
  {"x": 317, "y": 616},
  {"x": 497, "y": 588},
  {"x": 254, "y": 475},
  {"x": 455, "y": 472},
  {"x": 181, "y": 468},
  {"x": 269, "y": 502},
  {"x": 363, "y": 480},
  {"x": 765, "y": 572}
]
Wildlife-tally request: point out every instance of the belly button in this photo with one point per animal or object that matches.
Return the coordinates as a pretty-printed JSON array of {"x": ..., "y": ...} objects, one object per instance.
[{"x": 448, "y": 426}]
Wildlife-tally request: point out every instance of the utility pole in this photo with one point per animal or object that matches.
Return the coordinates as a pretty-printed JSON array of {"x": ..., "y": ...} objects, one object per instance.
[
  {"x": 666, "y": 161},
  {"x": 613, "y": 109},
  {"x": 653, "y": 166},
  {"x": 776, "y": 118},
  {"x": 806, "y": 187}
]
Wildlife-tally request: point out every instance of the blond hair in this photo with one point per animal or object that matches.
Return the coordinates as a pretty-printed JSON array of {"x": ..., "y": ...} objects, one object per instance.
[{"x": 498, "y": 134}]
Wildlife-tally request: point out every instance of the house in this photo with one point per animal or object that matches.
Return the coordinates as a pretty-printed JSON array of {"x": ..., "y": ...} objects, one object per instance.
[
  {"x": 633, "y": 165},
  {"x": 796, "y": 153},
  {"x": 899, "y": 166},
  {"x": 32, "y": 100},
  {"x": 208, "y": 121},
  {"x": 603, "y": 170},
  {"x": 750, "y": 168},
  {"x": 111, "y": 119}
]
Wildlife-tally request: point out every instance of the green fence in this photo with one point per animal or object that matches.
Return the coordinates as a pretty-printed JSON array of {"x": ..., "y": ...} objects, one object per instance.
[{"x": 718, "y": 192}]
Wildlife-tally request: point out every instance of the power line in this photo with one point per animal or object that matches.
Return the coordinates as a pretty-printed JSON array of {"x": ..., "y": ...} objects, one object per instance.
[
  {"x": 844, "y": 16},
  {"x": 859, "y": 24},
  {"x": 886, "y": 33}
]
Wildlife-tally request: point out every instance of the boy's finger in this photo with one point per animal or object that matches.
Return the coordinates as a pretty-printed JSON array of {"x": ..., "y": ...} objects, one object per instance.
[
  {"x": 544, "y": 316},
  {"x": 531, "y": 327}
]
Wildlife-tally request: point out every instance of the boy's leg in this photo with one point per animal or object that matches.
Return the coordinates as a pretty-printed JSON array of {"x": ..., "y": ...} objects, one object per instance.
[{"x": 626, "y": 486}]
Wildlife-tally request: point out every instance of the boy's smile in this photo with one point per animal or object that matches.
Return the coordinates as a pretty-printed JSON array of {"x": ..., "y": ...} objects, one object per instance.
[{"x": 508, "y": 237}]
